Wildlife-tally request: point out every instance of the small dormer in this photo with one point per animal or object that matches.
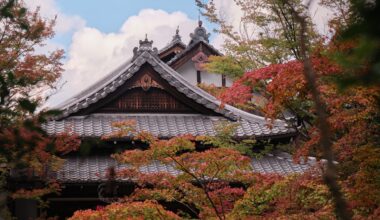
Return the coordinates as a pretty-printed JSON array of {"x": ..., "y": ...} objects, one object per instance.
[
  {"x": 175, "y": 47},
  {"x": 189, "y": 62}
]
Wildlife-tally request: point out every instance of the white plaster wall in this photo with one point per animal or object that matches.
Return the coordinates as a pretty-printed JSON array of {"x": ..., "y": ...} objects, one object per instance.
[
  {"x": 189, "y": 72},
  {"x": 229, "y": 82},
  {"x": 211, "y": 78}
]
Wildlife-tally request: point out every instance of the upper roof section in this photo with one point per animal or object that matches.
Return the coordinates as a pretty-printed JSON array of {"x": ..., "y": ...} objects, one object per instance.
[
  {"x": 199, "y": 42},
  {"x": 146, "y": 55}
]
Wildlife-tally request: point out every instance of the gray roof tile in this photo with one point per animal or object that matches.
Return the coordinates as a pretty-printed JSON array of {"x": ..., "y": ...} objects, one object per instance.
[
  {"x": 94, "y": 168},
  {"x": 161, "y": 125}
]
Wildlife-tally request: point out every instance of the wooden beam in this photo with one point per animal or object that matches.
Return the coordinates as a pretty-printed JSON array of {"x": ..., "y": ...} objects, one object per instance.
[
  {"x": 223, "y": 80},
  {"x": 199, "y": 79}
]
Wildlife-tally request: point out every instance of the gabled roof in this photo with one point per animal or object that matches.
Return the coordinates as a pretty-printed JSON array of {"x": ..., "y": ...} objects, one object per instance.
[
  {"x": 148, "y": 55},
  {"x": 118, "y": 78},
  {"x": 255, "y": 125},
  {"x": 199, "y": 40},
  {"x": 190, "y": 47}
]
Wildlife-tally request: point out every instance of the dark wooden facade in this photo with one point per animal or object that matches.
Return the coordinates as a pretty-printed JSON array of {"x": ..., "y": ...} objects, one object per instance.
[{"x": 154, "y": 100}]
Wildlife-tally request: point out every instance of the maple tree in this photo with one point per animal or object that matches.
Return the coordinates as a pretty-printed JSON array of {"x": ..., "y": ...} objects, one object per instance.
[
  {"x": 134, "y": 210},
  {"x": 216, "y": 181},
  {"x": 352, "y": 113},
  {"x": 202, "y": 184},
  {"x": 352, "y": 116},
  {"x": 24, "y": 76},
  {"x": 212, "y": 178}
]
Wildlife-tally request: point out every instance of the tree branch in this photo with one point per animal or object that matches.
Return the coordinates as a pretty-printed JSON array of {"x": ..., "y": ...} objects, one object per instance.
[{"x": 330, "y": 173}]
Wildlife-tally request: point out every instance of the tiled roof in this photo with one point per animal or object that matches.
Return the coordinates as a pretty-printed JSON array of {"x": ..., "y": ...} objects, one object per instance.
[
  {"x": 116, "y": 79},
  {"x": 111, "y": 83},
  {"x": 161, "y": 125},
  {"x": 94, "y": 169}
]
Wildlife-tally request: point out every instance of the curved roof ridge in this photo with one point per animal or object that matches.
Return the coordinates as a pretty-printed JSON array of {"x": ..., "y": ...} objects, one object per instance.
[{"x": 97, "y": 85}]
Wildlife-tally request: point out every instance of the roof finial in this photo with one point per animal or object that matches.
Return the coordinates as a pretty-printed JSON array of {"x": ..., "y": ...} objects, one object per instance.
[
  {"x": 176, "y": 37},
  {"x": 200, "y": 32},
  {"x": 146, "y": 36},
  {"x": 199, "y": 18}
]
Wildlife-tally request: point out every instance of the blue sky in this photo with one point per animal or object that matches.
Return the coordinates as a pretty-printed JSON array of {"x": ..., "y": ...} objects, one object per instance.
[
  {"x": 108, "y": 16},
  {"x": 99, "y": 35}
]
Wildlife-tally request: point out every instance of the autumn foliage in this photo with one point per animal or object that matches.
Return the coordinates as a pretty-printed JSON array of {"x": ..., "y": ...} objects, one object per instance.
[
  {"x": 352, "y": 114},
  {"x": 130, "y": 211},
  {"x": 215, "y": 182},
  {"x": 26, "y": 150}
]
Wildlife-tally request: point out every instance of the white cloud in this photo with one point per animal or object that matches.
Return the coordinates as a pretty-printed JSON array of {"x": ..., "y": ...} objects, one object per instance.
[
  {"x": 49, "y": 9},
  {"x": 320, "y": 16},
  {"x": 93, "y": 54}
]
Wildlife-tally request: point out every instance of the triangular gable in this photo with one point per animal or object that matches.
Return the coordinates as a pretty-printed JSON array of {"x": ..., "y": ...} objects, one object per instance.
[
  {"x": 144, "y": 56},
  {"x": 145, "y": 92}
]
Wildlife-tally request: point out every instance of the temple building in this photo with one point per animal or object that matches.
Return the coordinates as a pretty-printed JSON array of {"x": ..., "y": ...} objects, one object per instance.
[{"x": 158, "y": 90}]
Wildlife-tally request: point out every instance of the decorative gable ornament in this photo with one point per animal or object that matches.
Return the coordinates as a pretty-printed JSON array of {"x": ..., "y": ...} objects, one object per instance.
[
  {"x": 199, "y": 59},
  {"x": 177, "y": 37},
  {"x": 146, "y": 82}
]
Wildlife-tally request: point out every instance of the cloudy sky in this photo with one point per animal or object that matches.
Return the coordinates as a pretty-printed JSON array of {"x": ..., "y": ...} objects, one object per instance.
[{"x": 99, "y": 35}]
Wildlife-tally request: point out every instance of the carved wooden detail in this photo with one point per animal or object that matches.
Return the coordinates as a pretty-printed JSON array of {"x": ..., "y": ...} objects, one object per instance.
[
  {"x": 140, "y": 100},
  {"x": 199, "y": 59},
  {"x": 146, "y": 82}
]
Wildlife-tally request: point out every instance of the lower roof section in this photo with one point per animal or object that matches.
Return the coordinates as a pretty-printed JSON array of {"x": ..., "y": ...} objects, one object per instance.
[
  {"x": 163, "y": 125},
  {"x": 94, "y": 168}
]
